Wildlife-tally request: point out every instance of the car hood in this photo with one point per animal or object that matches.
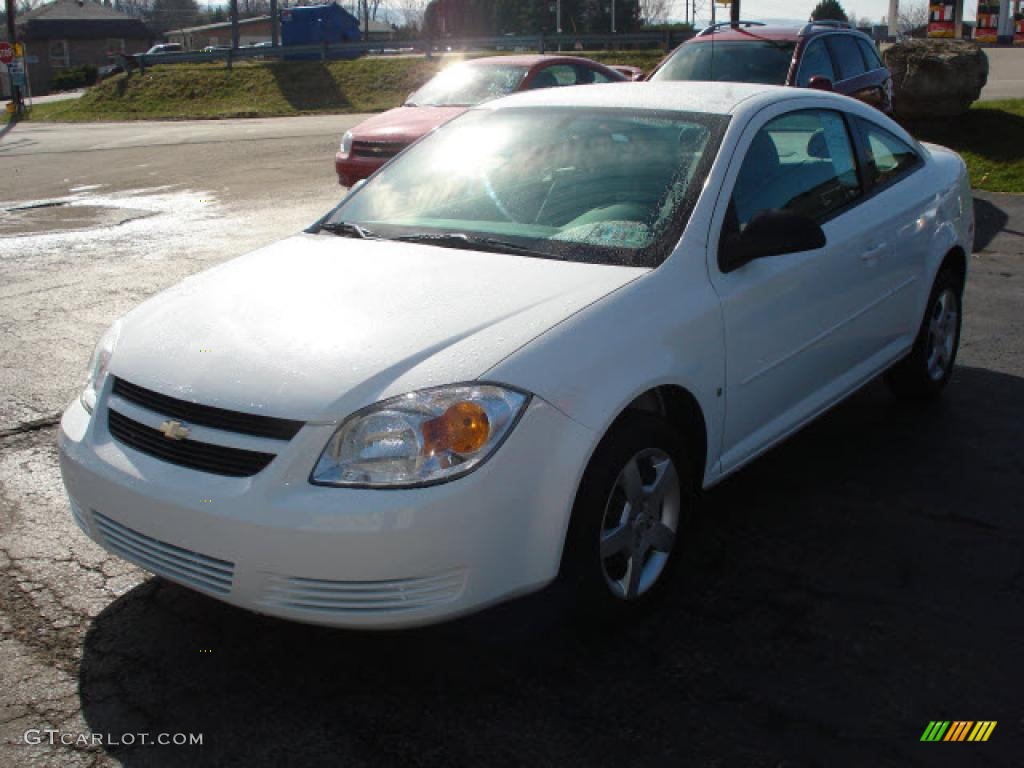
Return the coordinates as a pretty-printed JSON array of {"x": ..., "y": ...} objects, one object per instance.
[
  {"x": 404, "y": 124},
  {"x": 317, "y": 326}
]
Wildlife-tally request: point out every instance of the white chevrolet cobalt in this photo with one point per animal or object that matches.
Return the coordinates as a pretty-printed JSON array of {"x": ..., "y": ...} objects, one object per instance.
[{"x": 519, "y": 351}]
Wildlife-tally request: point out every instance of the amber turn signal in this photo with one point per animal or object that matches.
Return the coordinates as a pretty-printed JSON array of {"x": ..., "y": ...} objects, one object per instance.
[{"x": 463, "y": 428}]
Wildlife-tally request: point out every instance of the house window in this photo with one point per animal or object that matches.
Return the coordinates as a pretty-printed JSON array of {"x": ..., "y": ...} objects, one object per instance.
[
  {"x": 115, "y": 45},
  {"x": 59, "y": 55}
]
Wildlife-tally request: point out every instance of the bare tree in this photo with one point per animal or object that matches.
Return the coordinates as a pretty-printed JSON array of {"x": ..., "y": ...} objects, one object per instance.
[
  {"x": 137, "y": 8},
  {"x": 912, "y": 16},
  {"x": 409, "y": 13},
  {"x": 654, "y": 11}
]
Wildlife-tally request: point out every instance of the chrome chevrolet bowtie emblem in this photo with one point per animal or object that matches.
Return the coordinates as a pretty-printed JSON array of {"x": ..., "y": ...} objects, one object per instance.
[{"x": 174, "y": 430}]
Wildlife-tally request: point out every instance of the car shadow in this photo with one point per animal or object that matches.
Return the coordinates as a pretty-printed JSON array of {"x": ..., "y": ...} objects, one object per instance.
[
  {"x": 848, "y": 587},
  {"x": 308, "y": 85},
  {"x": 989, "y": 221}
]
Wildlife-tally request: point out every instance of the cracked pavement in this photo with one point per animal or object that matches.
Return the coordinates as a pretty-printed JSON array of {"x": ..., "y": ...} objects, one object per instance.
[{"x": 853, "y": 584}]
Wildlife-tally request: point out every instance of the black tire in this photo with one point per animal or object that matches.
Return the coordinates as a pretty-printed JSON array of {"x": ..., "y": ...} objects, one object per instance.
[
  {"x": 586, "y": 576},
  {"x": 916, "y": 377}
]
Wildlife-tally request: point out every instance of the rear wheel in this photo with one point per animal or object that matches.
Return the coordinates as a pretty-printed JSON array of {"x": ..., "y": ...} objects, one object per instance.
[
  {"x": 924, "y": 373},
  {"x": 631, "y": 517}
]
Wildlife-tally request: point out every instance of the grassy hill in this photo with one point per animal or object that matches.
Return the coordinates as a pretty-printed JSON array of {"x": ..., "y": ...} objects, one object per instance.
[{"x": 266, "y": 89}]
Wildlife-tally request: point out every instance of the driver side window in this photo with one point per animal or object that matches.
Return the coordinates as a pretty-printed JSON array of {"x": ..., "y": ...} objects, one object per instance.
[
  {"x": 801, "y": 162},
  {"x": 815, "y": 62}
]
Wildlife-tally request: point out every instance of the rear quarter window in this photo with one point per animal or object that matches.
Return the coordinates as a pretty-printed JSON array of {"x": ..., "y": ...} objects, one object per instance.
[{"x": 889, "y": 157}]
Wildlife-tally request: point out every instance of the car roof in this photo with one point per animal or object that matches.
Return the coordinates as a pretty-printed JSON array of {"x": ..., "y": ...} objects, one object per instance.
[
  {"x": 749, "y": 34},
  {"x": 720, "y": 98},
  {"x": 530, "y": 60},
  {"x": 773, "y": 33}
]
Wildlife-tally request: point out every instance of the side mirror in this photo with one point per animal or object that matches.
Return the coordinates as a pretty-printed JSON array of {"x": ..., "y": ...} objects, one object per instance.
[
  {"x": 820, "y": 83},
  {"x": 770, "y": 233}
]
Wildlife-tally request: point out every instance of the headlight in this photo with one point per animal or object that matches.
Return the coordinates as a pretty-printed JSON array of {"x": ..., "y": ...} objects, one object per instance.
[
  {"x": 346, "y": 143},
  {"x": 421, "y": 438},
  {"x": 98, "y": 366}
]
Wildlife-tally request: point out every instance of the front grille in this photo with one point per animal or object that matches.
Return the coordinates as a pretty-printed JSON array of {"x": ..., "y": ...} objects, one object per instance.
[
  {"x": 341, "y": 597},
  {"x": 202, "y": 572},
  {"x": 383, "y": 150},
  {"x": 207, "y": 415},
  {"x": 206, "y": 457}
]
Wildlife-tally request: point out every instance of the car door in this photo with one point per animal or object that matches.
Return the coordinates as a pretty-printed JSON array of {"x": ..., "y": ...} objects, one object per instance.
[
  {"x": 853, "y": 77},
  {"x": 902, "y": 215},
  {"x": 794, "y": 323},
  {"x": 815, "y": 61}
]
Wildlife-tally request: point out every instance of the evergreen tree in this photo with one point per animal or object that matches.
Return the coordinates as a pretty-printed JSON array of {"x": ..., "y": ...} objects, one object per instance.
[{"x": 828, "y": 10}]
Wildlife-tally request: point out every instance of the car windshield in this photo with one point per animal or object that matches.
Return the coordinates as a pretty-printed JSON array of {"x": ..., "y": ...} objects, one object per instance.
[
  {"x": 596, "y": 185},
  {"x": 739, "y": 61},
  {"x": 466, "y": 85}
]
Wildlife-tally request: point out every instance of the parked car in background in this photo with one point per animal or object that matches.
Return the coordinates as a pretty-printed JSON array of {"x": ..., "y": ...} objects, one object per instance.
[
  {"x": 114, "y": 66},
  {"x": 166, "y": 48},
  {"x": 373, "y": 142},
  {"x": 520, "y": 350},
  {"x": 828, "y": 55}
]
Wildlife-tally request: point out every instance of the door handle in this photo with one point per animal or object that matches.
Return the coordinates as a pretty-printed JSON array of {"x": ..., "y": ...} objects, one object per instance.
[{"x": 873, "y": 254}]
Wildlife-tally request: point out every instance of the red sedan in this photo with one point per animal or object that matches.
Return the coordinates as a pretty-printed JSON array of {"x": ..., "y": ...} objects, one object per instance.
[{"x": 448, "y": 94}]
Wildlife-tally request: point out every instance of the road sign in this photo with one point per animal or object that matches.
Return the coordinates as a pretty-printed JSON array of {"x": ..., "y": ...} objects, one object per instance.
[
  {"x": 17, "y": 73},
  {"x": 6, "y": 53}
]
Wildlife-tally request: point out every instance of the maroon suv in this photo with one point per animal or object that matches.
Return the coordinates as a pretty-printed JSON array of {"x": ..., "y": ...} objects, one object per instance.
[{"x": 828, "y": 55}]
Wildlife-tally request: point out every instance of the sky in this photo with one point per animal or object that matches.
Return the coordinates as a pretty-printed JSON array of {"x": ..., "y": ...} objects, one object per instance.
[{"x": 793, "y": 11}]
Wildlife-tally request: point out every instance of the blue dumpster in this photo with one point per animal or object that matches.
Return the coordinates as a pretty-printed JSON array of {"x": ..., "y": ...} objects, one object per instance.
[{"x": 316, "y": 24}]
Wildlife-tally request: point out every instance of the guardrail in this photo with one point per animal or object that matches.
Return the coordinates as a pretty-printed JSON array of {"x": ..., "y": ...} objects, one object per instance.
[{"x": 324, "y": 51}]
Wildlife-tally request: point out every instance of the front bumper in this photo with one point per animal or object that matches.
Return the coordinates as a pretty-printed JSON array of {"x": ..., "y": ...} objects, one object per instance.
[
  {"x": 352, "y": 168},
  {"x": 276, "y": 544}
]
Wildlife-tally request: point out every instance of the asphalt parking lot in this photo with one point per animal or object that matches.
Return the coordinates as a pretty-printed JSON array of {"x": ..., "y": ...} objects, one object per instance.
[{"x": 854, "y": 584}]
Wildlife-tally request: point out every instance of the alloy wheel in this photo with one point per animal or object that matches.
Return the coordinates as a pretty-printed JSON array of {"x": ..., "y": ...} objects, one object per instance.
[
  {"x": 641, "y": 518},
  {"x": 942, "y": 330}
]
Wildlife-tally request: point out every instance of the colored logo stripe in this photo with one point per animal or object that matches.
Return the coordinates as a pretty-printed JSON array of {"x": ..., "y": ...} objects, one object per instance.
[
  {"x": 958, "y": 730},
  {"x": 982, "y": 730}
]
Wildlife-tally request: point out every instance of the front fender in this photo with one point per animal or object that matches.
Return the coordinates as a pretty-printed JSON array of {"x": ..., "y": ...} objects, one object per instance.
[{"x": 663, "y": 329}]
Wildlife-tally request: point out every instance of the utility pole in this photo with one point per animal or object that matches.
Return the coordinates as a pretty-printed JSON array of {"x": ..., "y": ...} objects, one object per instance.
[
  {"x": 734, "y": 12},
  {"x": 233, "y": 10},
  {"x": 613, "y": 17},
  {"x": 19, "y": 105},
  {"x": 275, "y": 24}
]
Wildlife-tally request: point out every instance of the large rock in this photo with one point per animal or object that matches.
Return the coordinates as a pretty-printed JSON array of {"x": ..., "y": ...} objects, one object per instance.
[{"x": 935, "y": 78}]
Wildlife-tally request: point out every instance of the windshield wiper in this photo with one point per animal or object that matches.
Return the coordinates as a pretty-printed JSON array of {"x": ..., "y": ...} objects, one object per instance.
[
  {"x": 471, "y": 242},
  {"x": 347, "y": 229}
]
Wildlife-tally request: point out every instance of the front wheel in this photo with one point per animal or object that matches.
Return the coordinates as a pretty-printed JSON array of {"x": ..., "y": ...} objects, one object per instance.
[
  {"x": 631, "y": 517},
  {"x": 926, "y": 370}
]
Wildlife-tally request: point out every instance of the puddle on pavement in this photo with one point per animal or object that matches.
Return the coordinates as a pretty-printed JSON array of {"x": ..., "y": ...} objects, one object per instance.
[
  {"x": 56, "y": 216},
  {"x": 149, "y": 223}
]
